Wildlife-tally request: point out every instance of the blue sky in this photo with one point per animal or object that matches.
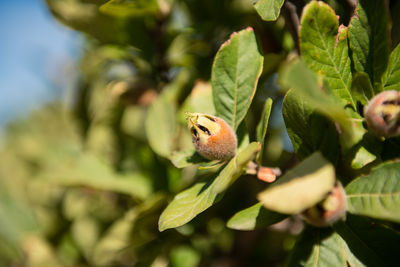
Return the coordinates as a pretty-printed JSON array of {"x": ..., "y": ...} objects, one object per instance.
[{"x": 33, "y": 47}]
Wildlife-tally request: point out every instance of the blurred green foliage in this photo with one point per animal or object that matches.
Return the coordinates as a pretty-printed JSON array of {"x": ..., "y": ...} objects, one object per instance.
[{"x": 85, "y": 184}]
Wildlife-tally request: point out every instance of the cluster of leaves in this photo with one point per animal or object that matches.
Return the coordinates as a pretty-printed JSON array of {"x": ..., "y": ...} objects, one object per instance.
[{"x": 102, "y": 184}]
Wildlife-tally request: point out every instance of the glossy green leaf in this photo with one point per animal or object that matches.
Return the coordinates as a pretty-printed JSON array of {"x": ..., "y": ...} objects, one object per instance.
[
  {"x": 301, "y": 187},
  {"x": 369, "y": 39},
  {"x": 372, "y": 243},
  {"x": 235, "y": 72},
  {"x": 324, "y": 48},
  {"x": 187, "y": 204},
  {"x": 362, "y": 88},
  {"x": 133, "y": 8},
  {"x": 391, "y": 77},
  {"x": 304, "y": 126},
  {"x": 254, "y": 217},
  {"x": 160, "y": 126},
  {"x": 376, "y": 195},
  {"x": 322, "y": 247},
  {"x": 262, "y": 127},
  {"x": 269, "y": 10}
]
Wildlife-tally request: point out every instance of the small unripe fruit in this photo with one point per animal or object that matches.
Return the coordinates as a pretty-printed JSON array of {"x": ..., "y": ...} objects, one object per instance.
[
  {"x": 382, "y": 114},
  {"x": 330, "y": 210},
  {"x": 212, "y": 137}
]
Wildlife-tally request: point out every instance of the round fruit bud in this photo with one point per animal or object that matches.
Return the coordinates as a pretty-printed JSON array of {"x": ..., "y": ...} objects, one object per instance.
[
  {"x": 212, "y": 137},
  {"x": 382, "y": 114},
  {"x": 328, "y": 211}
]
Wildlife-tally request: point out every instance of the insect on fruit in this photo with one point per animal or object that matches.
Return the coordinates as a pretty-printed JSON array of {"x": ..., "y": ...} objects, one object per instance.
[{"x": 212, "y": 137}]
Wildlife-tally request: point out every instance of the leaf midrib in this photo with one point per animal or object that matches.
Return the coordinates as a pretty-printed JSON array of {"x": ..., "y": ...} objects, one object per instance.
[{"x": 334, "y": 63}]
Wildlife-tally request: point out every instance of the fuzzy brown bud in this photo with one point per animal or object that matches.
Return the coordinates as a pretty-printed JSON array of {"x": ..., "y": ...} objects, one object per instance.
[
  {"x": 382, "y": 114},
  {"x": 330, "y": 210},
  {"x": 212, "y": 137}
]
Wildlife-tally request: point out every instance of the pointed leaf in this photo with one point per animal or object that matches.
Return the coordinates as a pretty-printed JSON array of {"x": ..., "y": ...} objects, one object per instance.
[
  {"x": 322, "y": 247},
  {"x": 376, "y": 195},
  {"x": 254, "y": 217},
  {"x": 187, "y": 204},
  {"x": 300, "y": 188},
  {"x": 269, "y": 9},
  {"x": 391, "y": 77},
  {"x": 262, "y": 127},
  {"x": 324, "y": 48},
  {"x": 235, "y": 72},
  {"x": 369, "y": 39}
]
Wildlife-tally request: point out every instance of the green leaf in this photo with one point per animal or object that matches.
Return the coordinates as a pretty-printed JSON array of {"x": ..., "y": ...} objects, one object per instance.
[
  {"x": 160, "y": 126},
  {"x": 269, "y": 9},
  {"x": 324, "y": 48},
  {"x": 304, "y": 126},
  {"x": 372, "y": 243},
  {"x": 300, "y": 188},
  {"x": 254, "y": 217},
  {"x": 262, "y": 128},
  {"x": 131, "y": 8},
  {"x": 369, "y": 39},
  {"x": 362, "y": 88},
  {"x": 235, "y": 72},
  {"x": 298, "y": 77},
  {"x": 376, "y": 195},
  {"x": 187, "y": 204},
  {"x": 322, "y": 247},
  {"x": 182, "y": 159},
  {"x": 391, "y": 77}
]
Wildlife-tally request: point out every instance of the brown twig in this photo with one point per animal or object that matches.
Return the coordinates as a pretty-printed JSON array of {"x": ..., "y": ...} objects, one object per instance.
[{"x": 292, "y": 22}]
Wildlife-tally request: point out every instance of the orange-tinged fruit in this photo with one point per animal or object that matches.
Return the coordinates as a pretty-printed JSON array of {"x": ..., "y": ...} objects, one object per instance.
[
  {"x": 382, "y": 114},
  {"x": 212, "y": 137},
  {"x": 330, "y": 210}
]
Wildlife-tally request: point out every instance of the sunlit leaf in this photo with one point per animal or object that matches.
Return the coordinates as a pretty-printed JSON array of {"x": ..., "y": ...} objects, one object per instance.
[
  {"x": 376, "y": 195},
  {"x": 269, "y": 10},
  {"x": 301, "y": 187},
  {"x": 324, "y": 48},
  {"x": 253, "y": 217},
  {"x": 235, "y": 72},
  {"x": 187, "y": 204}
]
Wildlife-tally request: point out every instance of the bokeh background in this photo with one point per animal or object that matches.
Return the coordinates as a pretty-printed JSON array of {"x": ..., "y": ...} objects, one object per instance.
[
  {"x": 93, "y": 101},
  {"x": 37, "y": 54}
]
